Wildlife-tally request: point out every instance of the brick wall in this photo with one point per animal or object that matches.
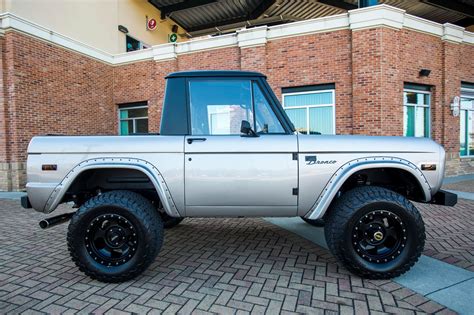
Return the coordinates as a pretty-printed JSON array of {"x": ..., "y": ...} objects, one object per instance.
[
  {"x": 314, "y": 59},
  {"x": 48, "y": 89}
]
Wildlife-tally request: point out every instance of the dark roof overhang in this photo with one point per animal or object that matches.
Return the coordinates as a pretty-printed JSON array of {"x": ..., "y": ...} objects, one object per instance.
[{"x": 203, "y": 17}]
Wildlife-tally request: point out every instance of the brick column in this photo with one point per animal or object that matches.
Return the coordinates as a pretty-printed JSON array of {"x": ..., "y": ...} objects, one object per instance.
[
  {"x": 376, "y": 83},
  {"x": 5, "y": 176},
  {"x": 451, "y": 86},
  {"x": 253, "y": 52},
  {"x": 6, "y": 104}
]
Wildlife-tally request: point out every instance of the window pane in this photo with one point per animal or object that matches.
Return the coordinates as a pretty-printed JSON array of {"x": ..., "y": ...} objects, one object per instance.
[
  {"x": 123, "y": 114},
  {"x": 132, "y": 43},
  {"x": 321, "y": 98},
  {"x": 218, "y": 107},
  {"x": 410, "y": 98},
  {"x": 420, "y": 122},
  {"x": 266, "y": 120},
  {"x": 126, "y": 127},
  {"x": 321, "y": 120},
  {"x": 463, "y": 132},
  {"x": 467, "y": 103},
  {"x": 409, "y": 121},
  {"x": 426, "y": 99},
  {"x": 141, "y": 126},
  {"x": 137, "y": 112},
  {"x": 298, "y": 118}
]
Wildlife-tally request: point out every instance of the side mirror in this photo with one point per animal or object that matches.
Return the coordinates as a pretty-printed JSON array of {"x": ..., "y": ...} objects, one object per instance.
[{"x": 247, "y": 130}]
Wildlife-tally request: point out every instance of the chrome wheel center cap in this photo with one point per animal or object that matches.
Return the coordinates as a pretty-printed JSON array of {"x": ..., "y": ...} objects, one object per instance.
[{"x": 378, "y": 236}]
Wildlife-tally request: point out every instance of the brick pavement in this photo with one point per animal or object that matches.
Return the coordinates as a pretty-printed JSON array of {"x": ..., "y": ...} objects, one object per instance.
[
  {"x": 450, "y": 233},
  {"x": 206, "y": 266}
]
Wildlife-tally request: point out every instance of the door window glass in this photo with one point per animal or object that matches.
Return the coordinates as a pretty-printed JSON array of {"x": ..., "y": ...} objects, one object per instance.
[
  {"x": 218, "y": 106},
  {"x": 266, "y": 120}
]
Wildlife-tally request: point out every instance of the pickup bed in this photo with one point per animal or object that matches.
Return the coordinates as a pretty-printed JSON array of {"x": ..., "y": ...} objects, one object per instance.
[{"x": 227, "y": 149}]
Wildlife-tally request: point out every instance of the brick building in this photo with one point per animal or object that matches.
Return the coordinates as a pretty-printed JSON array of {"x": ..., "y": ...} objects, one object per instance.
[{"x": 373, "y": 71}]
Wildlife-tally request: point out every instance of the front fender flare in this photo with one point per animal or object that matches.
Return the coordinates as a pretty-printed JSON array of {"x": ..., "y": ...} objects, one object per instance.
[
  {"x": 335, "y": 183},
  {"x": 101, "y": 163}
]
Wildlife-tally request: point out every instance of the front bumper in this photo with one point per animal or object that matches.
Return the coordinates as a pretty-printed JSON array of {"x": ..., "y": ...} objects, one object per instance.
[{"x": 445, "y": 198}]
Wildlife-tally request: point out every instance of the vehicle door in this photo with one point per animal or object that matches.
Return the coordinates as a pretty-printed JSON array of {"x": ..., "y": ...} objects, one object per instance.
[{"x": 228, "y": 173}]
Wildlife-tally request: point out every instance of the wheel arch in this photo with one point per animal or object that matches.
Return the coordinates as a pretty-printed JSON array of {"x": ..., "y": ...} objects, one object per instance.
[
  {"x": 351, "y": 168},
  {"x": 139, "y": 165}
]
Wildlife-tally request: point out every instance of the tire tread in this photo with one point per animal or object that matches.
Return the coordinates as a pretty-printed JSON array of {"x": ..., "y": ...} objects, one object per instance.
[
  {"x": 342, "y": 211},
  {"x": 148, "y": 216}
]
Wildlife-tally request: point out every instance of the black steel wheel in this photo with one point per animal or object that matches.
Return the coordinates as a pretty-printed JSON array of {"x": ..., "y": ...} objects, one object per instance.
[
  {"x": 111, "y": 239},
  {"x": 375, "y": 232},
  {"x": 115, "y": 236},
  {"x": 379, "y": 236}
]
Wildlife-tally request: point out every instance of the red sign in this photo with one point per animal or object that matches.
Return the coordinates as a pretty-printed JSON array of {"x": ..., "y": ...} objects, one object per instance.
[{"x": 151, "y": 24}]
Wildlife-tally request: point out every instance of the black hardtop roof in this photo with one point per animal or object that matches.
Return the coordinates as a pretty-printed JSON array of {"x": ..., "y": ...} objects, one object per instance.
[{"x": 214, "y": 73}]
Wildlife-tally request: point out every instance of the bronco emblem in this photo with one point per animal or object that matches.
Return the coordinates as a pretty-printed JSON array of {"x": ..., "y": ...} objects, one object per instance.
[{"x": 312, "y": 159}]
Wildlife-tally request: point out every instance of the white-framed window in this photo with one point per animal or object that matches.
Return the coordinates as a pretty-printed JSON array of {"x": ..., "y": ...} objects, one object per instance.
[
  {"x": 133, "y": 119},
  {"x": 466, "y": 118},
  {"x": 133, "y": 44},
  {"x": 416, "y": 111},
  {"x": 312, "y": 110}
]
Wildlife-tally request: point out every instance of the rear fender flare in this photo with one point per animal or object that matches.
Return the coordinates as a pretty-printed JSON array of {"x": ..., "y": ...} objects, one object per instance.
[
  {"x": 128, "y": 163},
  {"x": 335, "y": 183}
]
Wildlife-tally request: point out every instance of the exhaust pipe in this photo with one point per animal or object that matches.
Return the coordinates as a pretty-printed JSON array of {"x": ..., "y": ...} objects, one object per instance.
[{"x": 49, "y": 222}]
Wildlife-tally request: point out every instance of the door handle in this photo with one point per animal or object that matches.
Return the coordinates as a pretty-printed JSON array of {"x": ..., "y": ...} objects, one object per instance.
[{"x": 191, "y": 140}]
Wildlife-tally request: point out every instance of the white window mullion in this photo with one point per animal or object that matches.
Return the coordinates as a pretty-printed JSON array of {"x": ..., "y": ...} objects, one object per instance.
[{"x": 307, "y": 121}]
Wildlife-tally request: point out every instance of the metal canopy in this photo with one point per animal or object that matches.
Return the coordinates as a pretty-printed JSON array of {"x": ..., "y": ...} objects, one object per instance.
[{"x": 201, "y": 17}]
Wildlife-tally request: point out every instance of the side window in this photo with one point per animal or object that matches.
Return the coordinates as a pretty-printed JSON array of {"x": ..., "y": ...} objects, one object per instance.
[
  {"x": 133, "y": 44},
  {"x": 217, "y": 107},
  {"x": 133, "y": 119},
  {"x": 466, "y": 115},
  {"x": 265, "y": 119},
  {"x": 416, "y": 110},
  {"x": 311, "y": 109}
]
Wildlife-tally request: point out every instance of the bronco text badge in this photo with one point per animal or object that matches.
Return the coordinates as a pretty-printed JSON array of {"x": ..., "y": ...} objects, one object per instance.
[{"x": 312, "y": 159}]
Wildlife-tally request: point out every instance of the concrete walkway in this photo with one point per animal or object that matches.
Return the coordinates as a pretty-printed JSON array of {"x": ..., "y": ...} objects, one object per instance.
[
  {"x": 457, "y": 179},
  {"x": 446, "y": 284},
  {"x": 11, "y": 195}
]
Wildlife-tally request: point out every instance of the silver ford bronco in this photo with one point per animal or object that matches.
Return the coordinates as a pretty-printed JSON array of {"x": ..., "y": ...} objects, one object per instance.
[{"x": 227, "y": 149}]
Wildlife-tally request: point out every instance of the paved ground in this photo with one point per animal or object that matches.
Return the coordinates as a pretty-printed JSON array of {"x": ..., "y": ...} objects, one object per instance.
[
  {"x": 450, "y": 233},
  {"x": 466, "y": 185},
  {"x": 206, "y": 265}
]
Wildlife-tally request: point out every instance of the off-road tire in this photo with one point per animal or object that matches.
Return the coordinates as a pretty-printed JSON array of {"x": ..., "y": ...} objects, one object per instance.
[
  {"x": 315, "y": 222},
  {"x": 348, "y": 210},
  {"x": 145, "y": 220}
]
